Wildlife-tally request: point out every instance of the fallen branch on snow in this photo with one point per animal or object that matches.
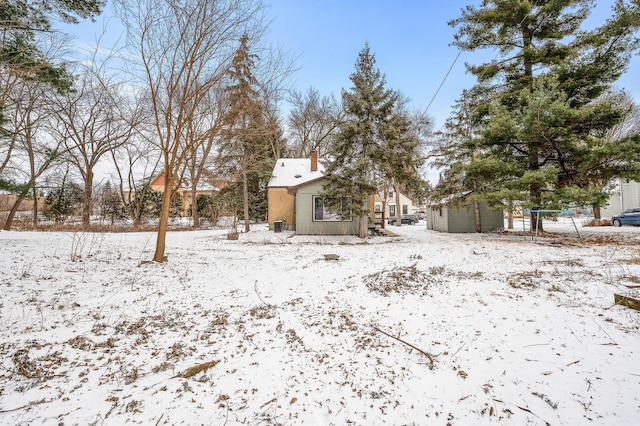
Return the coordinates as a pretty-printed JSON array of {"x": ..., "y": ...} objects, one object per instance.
[
  {"x": 192, "y": 371},
  {"x": 31, "y": 404},
  {"x": 428, "y": 355}
]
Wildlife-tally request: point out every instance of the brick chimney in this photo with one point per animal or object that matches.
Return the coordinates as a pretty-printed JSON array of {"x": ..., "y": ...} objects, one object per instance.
[{"x": 314, "y": 160}]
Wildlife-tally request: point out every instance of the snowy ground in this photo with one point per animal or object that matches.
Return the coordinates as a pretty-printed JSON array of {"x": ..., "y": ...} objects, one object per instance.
[{"x": 424, "y": 328}]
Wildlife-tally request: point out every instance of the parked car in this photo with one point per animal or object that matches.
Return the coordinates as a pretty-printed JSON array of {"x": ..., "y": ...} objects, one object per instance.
[
  {"x": 628, "y": 217},
  {"x": 420, "y": 214},
  {"x": 405, "y": 219}
]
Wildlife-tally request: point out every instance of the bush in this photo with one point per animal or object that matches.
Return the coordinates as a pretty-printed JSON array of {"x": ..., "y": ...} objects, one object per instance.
[{"x": 63, "y": 202}]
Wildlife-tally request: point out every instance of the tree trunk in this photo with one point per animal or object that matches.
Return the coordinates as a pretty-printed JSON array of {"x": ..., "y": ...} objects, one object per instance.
[
  {"x": 87, "y": 195},
  {"x": 138, "y": 207},
  {"x": 136, "y": 216},
  {"x": 527, "y": 40},
  {"x": 597, "y": 214},
  {"x": 534, "y": 190},
  {"x": 510, "y": 220},
  {"x": 35, "y": 206},
  {"x": 396, "y": 188},
  {"x": 164, "y": 219},
  {"x": 16, "y": 205},
  {"x": 12, "y": 213},
  {"x": 363, "y": 227},
  {"x": 476, "y": 208},
  {"x": 536, "y": 197},
  {"x": 245, "y": 194},
  {"x": 194, "y": 208}
]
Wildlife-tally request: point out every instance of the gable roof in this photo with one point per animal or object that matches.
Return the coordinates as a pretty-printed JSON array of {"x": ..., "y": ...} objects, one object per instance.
[{"x": 294, "y": 172}]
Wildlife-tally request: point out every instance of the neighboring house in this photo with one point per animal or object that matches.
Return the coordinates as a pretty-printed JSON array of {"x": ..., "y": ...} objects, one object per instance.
[
  {"x": 612, "y": 207},
  {"x": 294, "y": 202},
  {"x": 407, "y": 205},
  {"x": 463, "y": 219},
  {"x": 626, "y": 197},
  {"x": 157, "y": 184},
  {"x": 7, "y": 201},
  {"x": 629, "y": 195}
]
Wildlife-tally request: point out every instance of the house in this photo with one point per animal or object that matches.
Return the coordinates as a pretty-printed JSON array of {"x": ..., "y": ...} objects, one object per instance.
[
  {"x": 461, "y": 219},
  {"x": 626, "y": 196},
  {"x": 294, "y": 202},
  {"x": 388, "y": 207},
  {"x": 629, "y": 195},
  {"x": 157, "y": 184},
  {"x": 7, "y": 201}
]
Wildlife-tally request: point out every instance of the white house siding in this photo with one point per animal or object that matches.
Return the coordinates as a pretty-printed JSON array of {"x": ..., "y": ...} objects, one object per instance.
[
  {"x": 630, "y": 194},
  {"x": 613, "y": 206},
  {"x": 405, "y": 204},
  {"x": 437, "y": 219}
]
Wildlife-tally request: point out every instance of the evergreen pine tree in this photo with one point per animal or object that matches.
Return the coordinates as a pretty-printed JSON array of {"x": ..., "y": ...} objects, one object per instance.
[
  {"x": 359, "y": 155},
  {"x": 401, "y": 161},
  {"x": 245, "y": 151},
  {"x": 63, "y": 201},
  {"x": 541, "y": 129}
]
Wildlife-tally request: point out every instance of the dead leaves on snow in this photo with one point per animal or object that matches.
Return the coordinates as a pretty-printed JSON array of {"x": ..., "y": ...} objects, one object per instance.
[
  {"x": 192, "y": 371},
  {"x": 412, "y": 280},
  {"x": 402, "y": 279}
]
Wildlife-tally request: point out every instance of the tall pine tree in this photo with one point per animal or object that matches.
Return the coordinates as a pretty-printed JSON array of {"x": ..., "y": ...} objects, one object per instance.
[
  {"x": 541, "y": 127},
  {"x": 245, "y": 151},
  {"x": 356, "y": 160},
  {"x": 401, "y": 159}
]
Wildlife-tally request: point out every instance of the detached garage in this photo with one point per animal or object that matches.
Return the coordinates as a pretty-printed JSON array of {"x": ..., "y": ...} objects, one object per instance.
[{"x": 462, "y": 219}]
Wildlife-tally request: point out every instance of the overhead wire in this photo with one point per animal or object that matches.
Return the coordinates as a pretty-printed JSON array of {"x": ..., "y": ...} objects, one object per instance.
[{"x": 534, "y": 4}]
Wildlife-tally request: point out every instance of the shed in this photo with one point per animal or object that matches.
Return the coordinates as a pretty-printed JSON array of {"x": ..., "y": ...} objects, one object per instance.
[{"x": 462, "y": 219}]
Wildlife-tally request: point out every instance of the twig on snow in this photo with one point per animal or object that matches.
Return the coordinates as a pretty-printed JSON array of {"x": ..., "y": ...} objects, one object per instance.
[
  {"x": 523, "y": 409},
  {"x": 255, "y": 288},
  {"x": 31, "y": 404},
  {"x": 604, "y": 331},
  {"x": 428, "y": 355}
]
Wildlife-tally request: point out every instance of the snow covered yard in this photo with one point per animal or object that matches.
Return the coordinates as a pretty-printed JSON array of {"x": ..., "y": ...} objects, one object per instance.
[{"x": 424, "y": 328}]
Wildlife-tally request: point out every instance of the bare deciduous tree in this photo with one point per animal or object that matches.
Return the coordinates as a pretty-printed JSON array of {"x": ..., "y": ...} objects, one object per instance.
[
  {"x": 184, "y": 48},
  {"x": 208, "y": 122},
  {"x": 631, "y": 123},
  {"x": 35, "y": 150},
  {"x": 92, "y": 124},
  {"x": 312, "y": 122}
]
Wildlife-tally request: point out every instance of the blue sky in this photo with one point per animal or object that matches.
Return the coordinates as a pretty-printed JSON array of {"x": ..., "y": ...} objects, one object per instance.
[{"x": 410, "y": 39}]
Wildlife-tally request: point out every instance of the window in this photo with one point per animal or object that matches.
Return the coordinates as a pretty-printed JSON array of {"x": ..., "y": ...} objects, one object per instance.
[
  {"x": 320, "y": 213},
  {"x": 392, "y": 210},
  {"x": 378, "y": 208},
  {"x": 405, "y": 209}
]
